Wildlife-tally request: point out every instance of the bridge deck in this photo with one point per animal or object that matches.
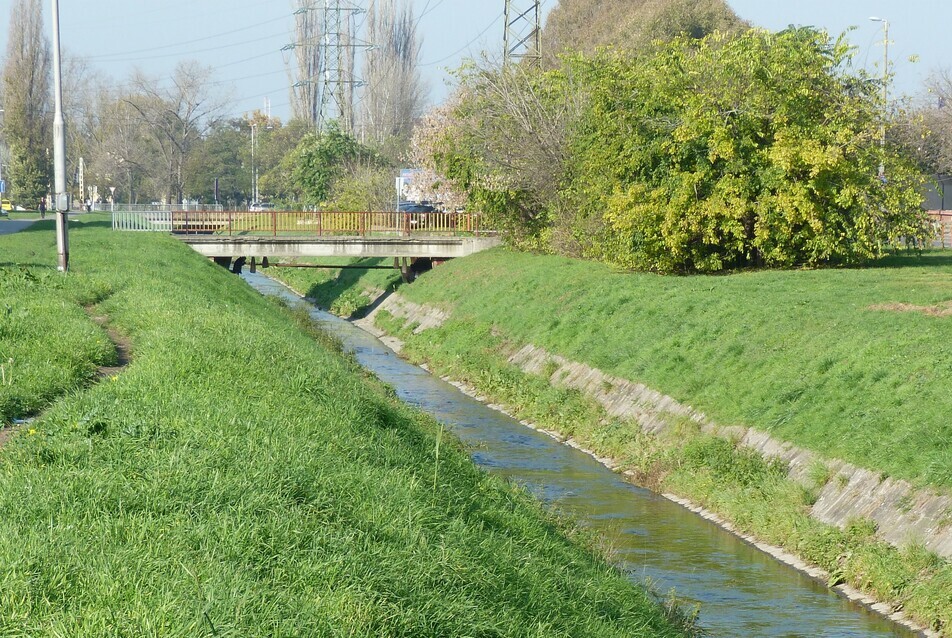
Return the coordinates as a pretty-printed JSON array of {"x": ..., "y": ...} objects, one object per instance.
[
  {"x": 433, "y": 247},
  {"x": 317, "y": 234}
]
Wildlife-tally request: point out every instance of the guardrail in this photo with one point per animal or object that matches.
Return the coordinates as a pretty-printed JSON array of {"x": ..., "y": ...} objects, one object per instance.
[
  {"x": 296, "y": 223},
  {"x": 943, "y": 223}
]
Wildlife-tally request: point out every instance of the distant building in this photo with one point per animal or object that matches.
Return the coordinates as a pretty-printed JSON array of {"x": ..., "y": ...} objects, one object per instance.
[{"x": 939, "y": 194}]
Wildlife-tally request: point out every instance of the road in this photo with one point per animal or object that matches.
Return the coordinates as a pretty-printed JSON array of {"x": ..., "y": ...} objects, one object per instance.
[{"x": 10, "y": 226}]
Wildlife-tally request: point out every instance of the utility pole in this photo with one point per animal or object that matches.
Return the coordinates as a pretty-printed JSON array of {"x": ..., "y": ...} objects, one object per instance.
[
  {"x": 59, "y": 152},
  {"x": 523, "y": 37},
  {"x": 882, "y": 129}
]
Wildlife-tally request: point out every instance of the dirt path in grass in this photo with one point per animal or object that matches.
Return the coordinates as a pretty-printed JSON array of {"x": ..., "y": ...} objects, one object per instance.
[
  {"x": 123, "y": 352},
  {"x": 120, "y": 342}
]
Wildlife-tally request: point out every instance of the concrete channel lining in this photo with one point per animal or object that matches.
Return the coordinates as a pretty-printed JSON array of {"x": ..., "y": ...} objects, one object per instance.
[{"x": 903, "y": 513}]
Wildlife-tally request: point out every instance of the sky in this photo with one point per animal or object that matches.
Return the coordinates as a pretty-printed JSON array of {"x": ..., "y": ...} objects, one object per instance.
[
  {"x": 916, "y": 28},
  {"x": 242, "y": 39}
]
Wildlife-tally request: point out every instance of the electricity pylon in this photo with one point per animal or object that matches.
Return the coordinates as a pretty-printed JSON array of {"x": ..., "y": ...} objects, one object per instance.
[
  {"x": 326, "y": 50},
  {"x": 523, "y": 38},
  {"x": 338, "y": 45}
]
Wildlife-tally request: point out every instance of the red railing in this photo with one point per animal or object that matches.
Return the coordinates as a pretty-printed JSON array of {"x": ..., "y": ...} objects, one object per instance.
[
  {"x": 943, "y": 223},
  {"x": 291, "y": 223}
]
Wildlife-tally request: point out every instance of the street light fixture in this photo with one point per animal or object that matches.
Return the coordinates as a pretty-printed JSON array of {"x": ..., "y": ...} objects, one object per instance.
[{"x": 882, "y": 130}]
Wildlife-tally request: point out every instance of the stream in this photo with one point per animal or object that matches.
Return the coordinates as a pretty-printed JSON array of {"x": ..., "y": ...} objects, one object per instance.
[{"x": 741, "y": 591}]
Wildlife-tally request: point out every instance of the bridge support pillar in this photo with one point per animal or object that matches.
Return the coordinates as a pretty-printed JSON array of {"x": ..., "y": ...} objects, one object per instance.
[{"x": 404, "y": 266}]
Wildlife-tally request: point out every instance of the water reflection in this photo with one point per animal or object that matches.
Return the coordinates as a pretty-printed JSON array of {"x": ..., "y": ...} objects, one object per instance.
[{"x": 741, "y": 591}]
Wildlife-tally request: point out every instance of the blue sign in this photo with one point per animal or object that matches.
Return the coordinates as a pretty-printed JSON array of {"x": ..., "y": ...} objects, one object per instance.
[{"x": 3, "y": 186}]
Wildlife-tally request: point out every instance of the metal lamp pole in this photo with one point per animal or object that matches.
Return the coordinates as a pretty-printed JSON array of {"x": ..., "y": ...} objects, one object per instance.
[
  {"x": 254, "y": 167},
  {"x": 2, "y": 190},
  {"x": 59, "y": 152},
  {"x": 882, "y": 130}
]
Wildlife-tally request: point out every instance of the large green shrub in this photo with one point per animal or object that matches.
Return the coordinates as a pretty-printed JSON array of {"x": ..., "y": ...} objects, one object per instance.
[
  {"x": 762, "y": 149},
  {"x": 756, "y": 150}
]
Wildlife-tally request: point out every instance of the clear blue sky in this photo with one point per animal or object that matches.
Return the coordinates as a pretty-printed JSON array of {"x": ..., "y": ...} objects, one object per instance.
[
  {"x": 242, "y": 39},
  {"x": 916, "y": 27}
]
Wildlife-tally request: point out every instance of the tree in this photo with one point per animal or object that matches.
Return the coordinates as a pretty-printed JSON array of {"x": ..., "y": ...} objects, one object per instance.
[
  {"x": 505, "y": 143},
  {"x": 927, "y": 130},
  {"x": 586, "y": 26},
  {"x": 321, "y": 161},
  {"x": 221, "y": 155},
  {"x": 736, "y": 152},
  {"x": 122, "y": 151},
  {"x": 273, "y": 180},
  {"x": 28, "y": 117},
  {"x": 305, "y": 79},
  {"x": 693, "y": 156},
  {"x": 395, "y": 94},
  {"x": 177, "y": 118},
  {"x": 429, "y": 133}
]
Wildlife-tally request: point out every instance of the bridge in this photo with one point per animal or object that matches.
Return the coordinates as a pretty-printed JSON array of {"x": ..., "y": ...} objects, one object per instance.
[{"x": 404, "y": 236}]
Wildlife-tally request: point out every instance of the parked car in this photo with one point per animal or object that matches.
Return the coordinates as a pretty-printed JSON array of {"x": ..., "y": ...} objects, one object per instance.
[
  {"x": 5, "y": 207},
  {"x": 259, "y": 207},
  {"x": 413, "y": 207}
]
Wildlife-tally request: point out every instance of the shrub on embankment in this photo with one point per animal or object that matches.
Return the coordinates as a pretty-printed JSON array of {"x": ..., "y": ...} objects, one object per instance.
[
  {"x": 853, "y": 364},
  {"x": 239, "y": 478},
  {"x": 757, "y": 149}
]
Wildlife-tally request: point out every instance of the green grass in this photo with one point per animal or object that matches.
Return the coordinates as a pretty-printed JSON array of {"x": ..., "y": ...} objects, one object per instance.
[
  {"x": 800, "y": 354},
  {"x": 241, "y": 478},
  {"x": 343, "y": 291},
  {"x": 754, "y": 494}
]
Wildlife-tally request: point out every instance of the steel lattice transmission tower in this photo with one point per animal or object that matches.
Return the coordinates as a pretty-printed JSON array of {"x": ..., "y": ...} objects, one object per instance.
[
  {"x": 338, "y": 46},
  {"x": 523, "y": 38}
]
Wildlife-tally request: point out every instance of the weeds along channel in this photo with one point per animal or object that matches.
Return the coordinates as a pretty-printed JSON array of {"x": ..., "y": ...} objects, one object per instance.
[
  {"x": 849, "y": 363},
  {"x": 241, "y": 477}
]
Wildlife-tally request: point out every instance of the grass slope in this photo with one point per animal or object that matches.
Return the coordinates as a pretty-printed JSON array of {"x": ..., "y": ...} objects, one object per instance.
[
  {"x": 809, "y": 356},
  {"x": 740, "y": 347},
  {"x": 343, "y": 291},
  {"x": 239, "y": 478}
]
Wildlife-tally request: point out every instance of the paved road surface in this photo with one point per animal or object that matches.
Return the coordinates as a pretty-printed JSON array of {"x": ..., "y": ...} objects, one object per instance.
[{"x": 10, "y": 226}]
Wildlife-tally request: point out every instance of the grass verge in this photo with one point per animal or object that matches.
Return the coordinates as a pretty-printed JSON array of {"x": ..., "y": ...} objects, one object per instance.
[
  {"x": 852, "y": 363},
  {"x": 346, "y": 292},
  {"x": 754, "y": 494},
  {"x": 240, "y": 478}
]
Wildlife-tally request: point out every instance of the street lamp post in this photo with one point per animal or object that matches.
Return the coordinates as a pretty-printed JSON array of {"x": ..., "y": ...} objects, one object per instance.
[
  {"x": 3, "y": 188},
  {"x": 59, "y": 151},
  {"x": 254, "y": 166},
  {"x": 882, "y": 129}
]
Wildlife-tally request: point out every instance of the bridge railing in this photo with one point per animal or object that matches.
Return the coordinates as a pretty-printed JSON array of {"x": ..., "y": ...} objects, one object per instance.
[
  {"x": 134, "y": 220},
  {"x": 293, "y": 223},
  {"x": 943, "y": 223}
]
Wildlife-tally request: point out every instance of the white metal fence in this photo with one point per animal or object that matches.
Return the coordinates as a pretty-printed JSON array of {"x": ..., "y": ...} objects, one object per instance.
[
  {"x": 154, "y": 208},
  {"x": 155, "y": 221}
]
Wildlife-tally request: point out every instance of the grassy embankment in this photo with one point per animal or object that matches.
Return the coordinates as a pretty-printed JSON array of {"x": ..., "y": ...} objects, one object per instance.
[
  {"x": 242, "y": 478},
  {"x": 825, "y": 359}
]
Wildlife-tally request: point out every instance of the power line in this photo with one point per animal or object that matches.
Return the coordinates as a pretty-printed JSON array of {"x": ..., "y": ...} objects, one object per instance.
[
  {"x": 468, "y": 44},
  {"x": 183, "y": 43},
  {"x": 181, "y": 53}
]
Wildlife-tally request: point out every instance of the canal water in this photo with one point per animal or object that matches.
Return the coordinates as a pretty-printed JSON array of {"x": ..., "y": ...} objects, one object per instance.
[{"x": 740, "y": 590}]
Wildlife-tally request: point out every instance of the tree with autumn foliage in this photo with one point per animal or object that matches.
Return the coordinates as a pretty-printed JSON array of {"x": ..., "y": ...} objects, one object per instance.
[{"x": 756, "y": 150}]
